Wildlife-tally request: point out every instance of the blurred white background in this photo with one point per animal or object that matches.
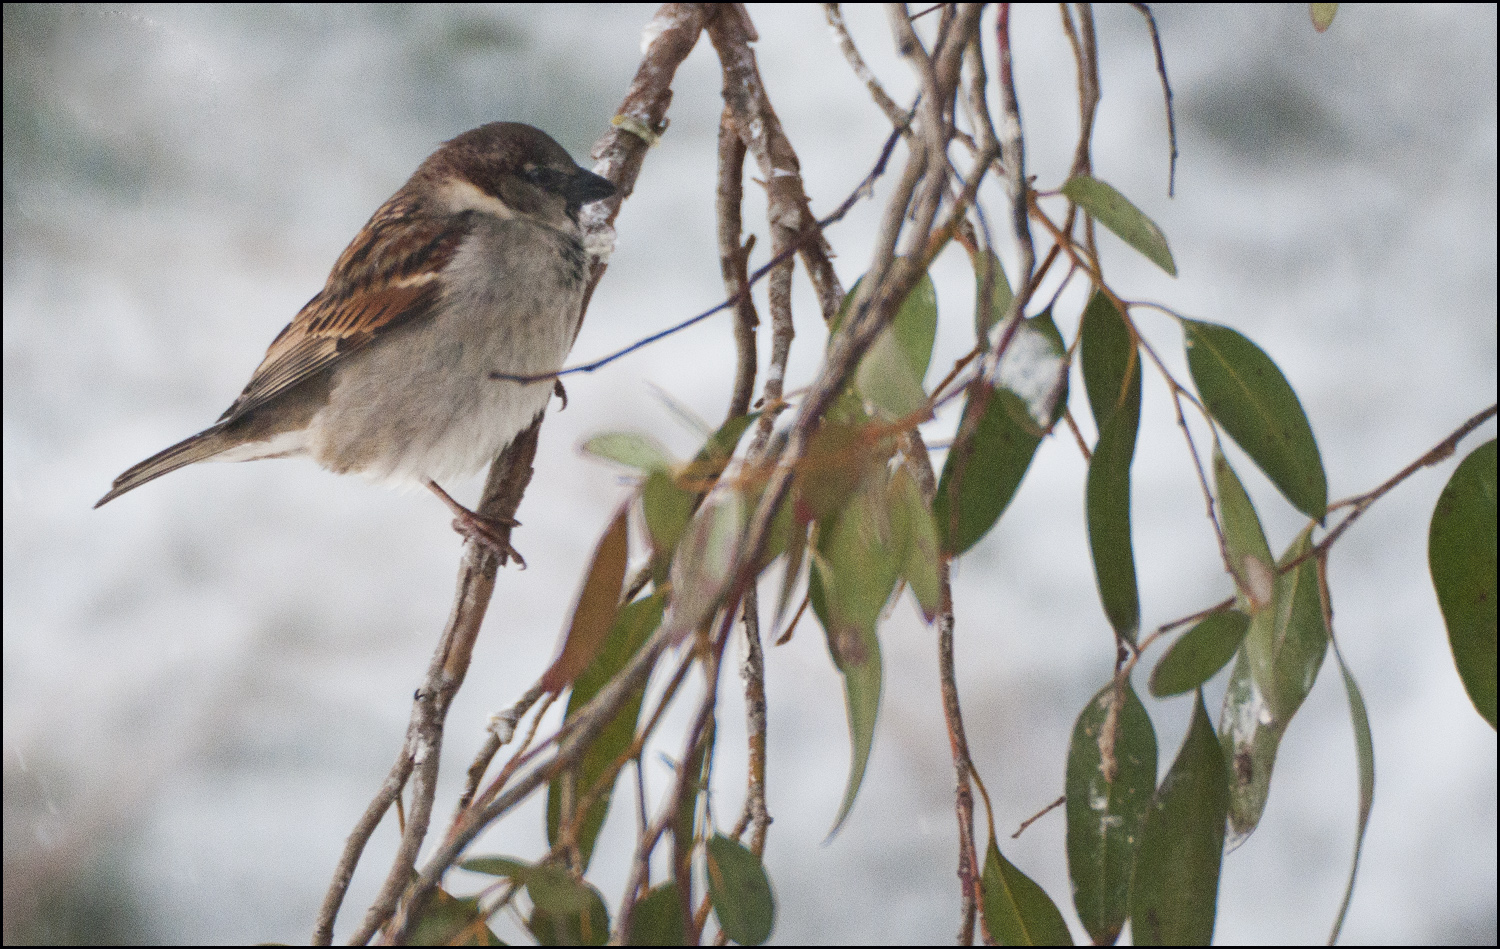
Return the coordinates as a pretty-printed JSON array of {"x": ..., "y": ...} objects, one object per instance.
[{"x": 205, "y": 681}]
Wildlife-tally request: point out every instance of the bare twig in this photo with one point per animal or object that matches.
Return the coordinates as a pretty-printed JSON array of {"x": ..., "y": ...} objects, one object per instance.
[
  {"x": 734, "y": 261},
  {"x": 862, "y": 72},
  {"x": 1038, "y": 816},
  {"x": 1166, "y": 91}
]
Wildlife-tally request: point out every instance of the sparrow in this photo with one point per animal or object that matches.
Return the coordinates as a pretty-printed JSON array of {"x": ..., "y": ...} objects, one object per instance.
[{"x": 475, "y": 267}]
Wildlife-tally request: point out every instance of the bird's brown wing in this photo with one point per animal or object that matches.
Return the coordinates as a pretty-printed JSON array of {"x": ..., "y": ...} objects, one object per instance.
[{"x": 387, "y": 277}]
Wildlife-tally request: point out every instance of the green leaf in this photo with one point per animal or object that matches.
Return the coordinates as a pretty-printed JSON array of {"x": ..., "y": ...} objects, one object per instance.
[
  {"x": 1322, "y": 15},
  {"x": 630, "y": 449},
  {"x": 705, "y": 560},
  {"x": 857, "y": 564},
  {"x": 1245, "y": 541},
  {"x": 1175, "y": 890},
  {"x": 1034, "y": 367},
  {"x": 886, "y": 380},
  {"x": 853, "y": 574},
  {"x": 1108, "y": 494},
  {"x": 667, "y": 510},
  {"x": 1278, "y": 664},
  {"x": 634, "y": 624},
  {"x": 1112, "y": 209},
  {"x": 1105, "y": 810},
  {"x": 1109, "y": 359},
  {"x": 795, "y": 554},
  {"x": 1246, "y": 394},
  {"x": 709, "y": 463},
  {"x": 449, "y": 921},
  {"x": 507, "y": 867},
  {"x": 997, "y": 438},
  {"x": 657, "y": 919},
  {"x": 911, "y": 522},
  {"x": 567, "y": 912},
  {"x": 914, "y": 326},
  {"x": 740, "y": 891},
  {"x": 1000, "y": 294},
  {"x": 983, "y": 472},
  {"x": 1250, "y": 737},
  {"x": 1017, "y": 912},
  {"x": 890, "y": 373},
  {"x": 1461, "y": 556},
  {"x": 1364, "y": 753},
  {"x": 1285, "y": 656},
  {"x": 670, "y": 496},
  {"x": 1199, "y": 653}
]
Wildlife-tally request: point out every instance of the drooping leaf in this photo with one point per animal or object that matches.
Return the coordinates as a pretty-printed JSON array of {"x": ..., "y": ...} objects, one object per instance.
[
  {"x": 705, "y": 560},
  {"x": 1000, "y": 293},
  {"x": 1112, "y": 209},
  {"x": 1175, "y": 889},
  {"x": 1107, "y": 355},
  {"x": 447, "y": 920},
  {"x": 1105, "y": 806},
  {"x": 981, "y": 474},
  {"x": 886, "y": 379},
  {"x": 567, "y": 912},
  {"x": 1017, "y": 912},
  {"x": 796, "y": 552},
  {"x": 1248, "y": 395},
  {"x": 1108, "y": 494},
  {"x": 667, "y": 510},
  {"x": 891, "y": 371},
  {"x": 853, "y": 574},
  {"x": 1278, "y": 663},
  {"x": 740, "y": 891},
  {"x": 633, "y": 450},
  {"x": 634, "y": 624},
  {"x": 1245, "y": 541},
  {"x": 1461, "y": 557},
  {"x": 1364, "y": 754},
  {"x": 997, "y": 438},
  {"x": 911, "y": 523},
  {"x": 508, "y": 867},
  {"x": 1250, "y": 737},
  {"x": 1285, "y": 656},
  {"x": 594, "y": 613},
  {"x": 657, "y": 919},
  {"x": 858, "y": 565},
  {"x": 1199, "y": 653},
  {"x": 669, "y": 496},
  {"x": 1034, "y": 367},
  {"x": 914, "y": 326}
]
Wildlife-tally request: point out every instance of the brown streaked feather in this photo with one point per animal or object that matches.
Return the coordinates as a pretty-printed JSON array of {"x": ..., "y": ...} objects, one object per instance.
[{"x": 377, "y": 284}]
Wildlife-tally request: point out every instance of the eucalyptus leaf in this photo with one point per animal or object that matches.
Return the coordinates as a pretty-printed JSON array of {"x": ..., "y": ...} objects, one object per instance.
[
  {"x": 1461, "y": 556},
  {"x": 1106, "y": 801},
  {"x": 1112, "y": 209},
  {"x": 1249, "y": 397},
  {"x": 1175, "y": 888}
]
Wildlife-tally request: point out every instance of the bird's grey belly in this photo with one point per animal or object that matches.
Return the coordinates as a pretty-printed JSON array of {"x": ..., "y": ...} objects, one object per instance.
[{"x": 418, "y": 402}]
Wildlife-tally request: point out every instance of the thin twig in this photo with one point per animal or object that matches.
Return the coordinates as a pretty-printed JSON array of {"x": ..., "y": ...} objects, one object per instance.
[
  {"x": 1038, "y": 816},
  {"x": 1166, "y": 91}
]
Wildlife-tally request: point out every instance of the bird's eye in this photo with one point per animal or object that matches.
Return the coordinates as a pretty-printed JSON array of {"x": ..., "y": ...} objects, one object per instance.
[{"x": 535, "y": 175}]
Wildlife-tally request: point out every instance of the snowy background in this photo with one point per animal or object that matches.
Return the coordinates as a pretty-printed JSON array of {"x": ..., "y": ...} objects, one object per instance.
[{"x": 205, "y": 681}]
